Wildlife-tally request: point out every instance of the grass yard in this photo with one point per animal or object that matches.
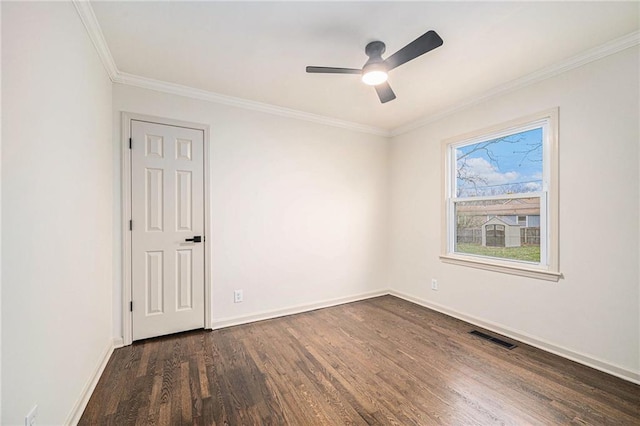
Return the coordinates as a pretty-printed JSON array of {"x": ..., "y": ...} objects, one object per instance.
[{"x": 526, "y": 253}]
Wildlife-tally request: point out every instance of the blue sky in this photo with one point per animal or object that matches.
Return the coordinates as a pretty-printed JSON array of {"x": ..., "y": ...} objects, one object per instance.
[{"x": 498, "y": 166}]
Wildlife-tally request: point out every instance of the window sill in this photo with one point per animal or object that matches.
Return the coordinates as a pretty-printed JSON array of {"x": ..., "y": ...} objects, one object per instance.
[{"x": 501, "y": 267}]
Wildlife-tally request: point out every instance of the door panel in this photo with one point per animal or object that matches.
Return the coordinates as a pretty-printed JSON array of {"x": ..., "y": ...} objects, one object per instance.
[
  {"x": 183, "y": 200},
  {"x": 154, "y": 199},
  {"x": 167, "y": 187},
  {"x": 184, "y": 285},
  {"x": 154, "y": 282}
]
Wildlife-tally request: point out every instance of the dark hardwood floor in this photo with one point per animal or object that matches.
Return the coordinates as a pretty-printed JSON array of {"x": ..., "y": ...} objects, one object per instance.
[{"x": 379, "y": 361}]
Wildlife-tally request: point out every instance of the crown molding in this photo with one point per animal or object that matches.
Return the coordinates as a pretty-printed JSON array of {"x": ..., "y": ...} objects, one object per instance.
[
  {"x": 190, "y": 92},
  {"x": 607, "y": 49},
  {"x": 88, "y": 18},
  {"x": 90, "y": 22}
]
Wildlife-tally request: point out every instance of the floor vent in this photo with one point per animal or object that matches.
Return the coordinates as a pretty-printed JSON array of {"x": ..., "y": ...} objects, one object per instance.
[{"x": 493, "y": 339}]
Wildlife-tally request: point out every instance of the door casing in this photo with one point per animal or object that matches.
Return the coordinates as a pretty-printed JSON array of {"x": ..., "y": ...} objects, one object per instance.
[{"x": 126, "y": 118}]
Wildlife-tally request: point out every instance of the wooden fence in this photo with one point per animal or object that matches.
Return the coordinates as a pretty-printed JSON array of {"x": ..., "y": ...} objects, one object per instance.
[
  {"x": 528, "y": 236},
  {"x": 470, "y": 236}
]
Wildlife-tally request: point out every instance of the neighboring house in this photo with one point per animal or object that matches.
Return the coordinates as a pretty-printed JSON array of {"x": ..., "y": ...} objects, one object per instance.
[
  {"x": 501, "y": 232},
  {"x": 521, "y": 209},
  {"x": 522, "y": 215},
  {"x": 525, "y": 220}
]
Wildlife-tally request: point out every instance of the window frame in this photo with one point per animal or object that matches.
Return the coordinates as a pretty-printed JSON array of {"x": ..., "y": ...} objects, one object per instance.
[{"x": 548, "y": 268}]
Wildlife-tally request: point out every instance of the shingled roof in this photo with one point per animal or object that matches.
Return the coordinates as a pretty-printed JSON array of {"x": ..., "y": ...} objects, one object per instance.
[{"x": 511, "y": 207}]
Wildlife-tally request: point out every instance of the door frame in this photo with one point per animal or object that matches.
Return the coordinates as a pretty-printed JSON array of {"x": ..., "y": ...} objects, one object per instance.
[{"x": 125, "y": 210}]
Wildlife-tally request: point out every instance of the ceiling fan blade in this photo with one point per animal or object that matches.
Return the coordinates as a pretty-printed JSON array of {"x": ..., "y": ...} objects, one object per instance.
[
  {"x": 384, "y": 92},
  {"x": 332, "y": 70},
  {"x": 426, "y": 42}
]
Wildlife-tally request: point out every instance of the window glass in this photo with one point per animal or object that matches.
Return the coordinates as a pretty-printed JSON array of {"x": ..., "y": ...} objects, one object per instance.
[
  {"x": 510, "y": 164},
  {"x": 501, "y": 200},
  {"x": 477, "y": 222}
]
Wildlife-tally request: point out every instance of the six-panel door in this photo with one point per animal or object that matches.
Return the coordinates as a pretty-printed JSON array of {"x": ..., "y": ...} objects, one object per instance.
[{"x": 167, "y": 184}]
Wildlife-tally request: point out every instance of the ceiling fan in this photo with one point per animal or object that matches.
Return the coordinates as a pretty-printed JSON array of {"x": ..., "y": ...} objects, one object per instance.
[{"x": 375, "y": 70}]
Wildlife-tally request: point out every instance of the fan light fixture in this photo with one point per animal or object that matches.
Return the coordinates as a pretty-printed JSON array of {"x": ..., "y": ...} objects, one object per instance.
[
  {"x": 375, "y": 77},
  {"x": 374, "y": 73},
  {"x": 375, "y": 70}
]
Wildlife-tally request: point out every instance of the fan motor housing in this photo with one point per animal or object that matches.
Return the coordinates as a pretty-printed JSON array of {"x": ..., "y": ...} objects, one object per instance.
[{"x": 375, "y": 49}]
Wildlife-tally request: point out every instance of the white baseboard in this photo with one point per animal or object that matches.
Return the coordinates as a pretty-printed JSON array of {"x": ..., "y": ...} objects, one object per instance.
[
  {"x": 578, "y": 357},
  {"x": 581, "y": 358},
  {"x": 264, "y": 315},
  {"x": 74, "y": 416}
]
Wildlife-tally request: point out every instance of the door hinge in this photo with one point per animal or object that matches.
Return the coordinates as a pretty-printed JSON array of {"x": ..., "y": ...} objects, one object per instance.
[
  {"x": 131, "y": 225},
  {"x": 131, "y": 306},
  {"x": 130, "y": 143}
]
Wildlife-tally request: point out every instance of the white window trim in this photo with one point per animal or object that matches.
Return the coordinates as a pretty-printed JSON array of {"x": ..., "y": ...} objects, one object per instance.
[{"x": 550, "y": 271}]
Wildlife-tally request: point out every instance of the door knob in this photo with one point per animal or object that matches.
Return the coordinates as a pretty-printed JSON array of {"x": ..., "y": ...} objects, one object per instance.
[{"x": 196, "y": 239}]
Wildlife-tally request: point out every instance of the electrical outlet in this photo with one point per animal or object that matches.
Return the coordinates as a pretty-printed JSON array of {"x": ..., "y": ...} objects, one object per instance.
[
  {"x": 434, "y": 284},
  {"x": 237, "y": 296},
  {"x": 30, "y": 419}
]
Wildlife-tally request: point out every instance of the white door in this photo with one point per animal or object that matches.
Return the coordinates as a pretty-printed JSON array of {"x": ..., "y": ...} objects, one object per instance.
[{"x": 167, "y": 210}]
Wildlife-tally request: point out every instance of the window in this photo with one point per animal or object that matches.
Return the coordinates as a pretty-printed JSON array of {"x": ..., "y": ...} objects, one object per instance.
[{"x": 501, "y": 198}]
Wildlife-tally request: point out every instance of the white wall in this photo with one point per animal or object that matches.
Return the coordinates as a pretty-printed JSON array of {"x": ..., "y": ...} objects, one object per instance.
[
  {"x": 0, "y": 217},
  {"x": 594, "y": 311},
  {"x": 299, "y": 210},
  {"x": 56, "y": 211}
]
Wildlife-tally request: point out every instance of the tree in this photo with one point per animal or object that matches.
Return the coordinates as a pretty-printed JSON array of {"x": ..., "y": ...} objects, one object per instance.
[{"x": 470, "y": 181}]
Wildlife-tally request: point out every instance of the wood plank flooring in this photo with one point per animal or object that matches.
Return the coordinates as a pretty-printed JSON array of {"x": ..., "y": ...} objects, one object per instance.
[{"x": 380, "y": 361}]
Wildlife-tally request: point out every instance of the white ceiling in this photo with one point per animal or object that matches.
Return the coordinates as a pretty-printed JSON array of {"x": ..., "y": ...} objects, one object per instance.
[{"x": 258, "y": 50}]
